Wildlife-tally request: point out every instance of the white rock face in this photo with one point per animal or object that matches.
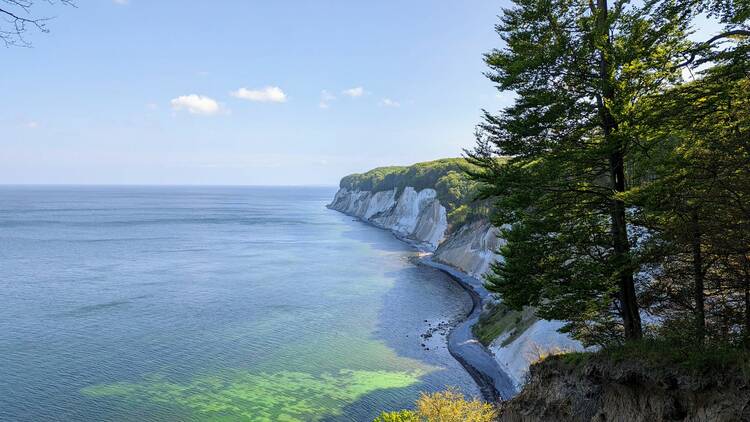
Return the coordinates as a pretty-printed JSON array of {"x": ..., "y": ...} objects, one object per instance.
[
  {"x": 538, "y": 341},
  {"x": 471, "y": 249},
  {"x": 379, "y": 203},
  {"x": 416, "y": 216}
]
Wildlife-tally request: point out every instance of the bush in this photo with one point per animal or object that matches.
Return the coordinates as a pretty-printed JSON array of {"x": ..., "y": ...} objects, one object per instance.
[
  {"x": 400, "y": 416},
  {"x": 445, "y": 406}
]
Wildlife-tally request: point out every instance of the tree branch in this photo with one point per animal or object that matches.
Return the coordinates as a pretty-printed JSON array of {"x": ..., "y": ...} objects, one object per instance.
[
  {"x": 13, "y": 16},
  {"x": 706, "y": 44}
]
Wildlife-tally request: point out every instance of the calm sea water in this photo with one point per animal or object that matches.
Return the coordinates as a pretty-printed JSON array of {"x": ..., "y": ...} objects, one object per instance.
[{"x": 215, "y": 303}]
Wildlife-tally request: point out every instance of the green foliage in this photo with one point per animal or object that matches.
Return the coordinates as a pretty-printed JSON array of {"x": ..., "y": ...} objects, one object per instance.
[
  {"x": 628, "y": 187},
  {"x": 592, "y": 79},
  {"x": 663, "y": 353},
  {"x": 692, "y": 195},
  {"x": 734, "y": 13},
  {"x": 499, "y": 320},
  {"x": 445, "y": 406},
  {"x": 455, "y": 189},
  {"x": 398, "y": 416},
  {"x": 375, "y": 180}
]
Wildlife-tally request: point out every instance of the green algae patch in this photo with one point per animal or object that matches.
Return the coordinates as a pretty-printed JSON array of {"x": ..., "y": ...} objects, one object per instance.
[{"x": 282, "y": 396}]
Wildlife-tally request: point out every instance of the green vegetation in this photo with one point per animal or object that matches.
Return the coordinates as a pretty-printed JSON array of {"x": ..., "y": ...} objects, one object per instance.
[
  {"x": 628, "y": 187},
  {"x": 455, "y": 189},
  {"x": 661, "y": 353},
  {"x": 446, "y": 406},
  {"x": 499, "y": 320},
  {"x": 399, "y": 416}
]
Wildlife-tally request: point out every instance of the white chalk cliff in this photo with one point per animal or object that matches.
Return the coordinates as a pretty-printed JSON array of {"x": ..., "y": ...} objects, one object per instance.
[
  {"x": 471, "y": 248},
  {"x": 419, "y": 217},
  {"x": 415, "y": 216},
  {"x": 538, "y": 341}
]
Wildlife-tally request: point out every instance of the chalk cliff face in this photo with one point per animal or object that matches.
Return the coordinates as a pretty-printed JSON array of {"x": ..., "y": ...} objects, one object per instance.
[
  {"x": 537, "y": 342},
  {"x": 418, "y": 216},
  {"x": 471, "y": 248},
  {"x": 413, "y": 215}
]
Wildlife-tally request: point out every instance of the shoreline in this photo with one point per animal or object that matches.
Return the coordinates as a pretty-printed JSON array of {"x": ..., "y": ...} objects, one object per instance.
[{"x": 494, "y": 384}]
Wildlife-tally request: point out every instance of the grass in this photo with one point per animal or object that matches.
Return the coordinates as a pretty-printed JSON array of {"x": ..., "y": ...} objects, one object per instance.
[
  {"x": 661, "y": 353},
  {"x": 501, "y": 320}
]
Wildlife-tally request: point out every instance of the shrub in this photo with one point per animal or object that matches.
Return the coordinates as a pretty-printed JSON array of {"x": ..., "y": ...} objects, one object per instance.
[
  {"x": 445, "y": 406},
  {"x": 400, "y": 416}
]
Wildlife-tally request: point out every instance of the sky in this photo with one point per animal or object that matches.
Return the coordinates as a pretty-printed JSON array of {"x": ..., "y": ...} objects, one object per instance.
[{"x": 243, "y": 92}]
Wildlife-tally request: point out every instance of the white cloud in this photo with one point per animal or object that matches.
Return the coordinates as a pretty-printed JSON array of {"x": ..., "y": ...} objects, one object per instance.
[
  {"x": 325, "y": 98},
  {"x": 31, "y": 124},
  {"x": 269, "y": 94},
  {"x": 387, "y": 102},
  {"x": 196, "y": 104},
  {"x": 354, "y": 92}
]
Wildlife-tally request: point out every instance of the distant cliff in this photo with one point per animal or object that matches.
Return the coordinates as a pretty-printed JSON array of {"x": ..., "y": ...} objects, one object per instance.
[
  {"x": 432, "y": 206},
  {"x": 429, "y": 204},
  {"x": 416, "y": 216}
]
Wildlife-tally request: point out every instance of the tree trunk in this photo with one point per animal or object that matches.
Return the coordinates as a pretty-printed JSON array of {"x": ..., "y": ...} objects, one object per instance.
[
  {"x": 629, "y": 311},
  {"x": 631, "y": 316},
  {"x": 700, "y": 312}
]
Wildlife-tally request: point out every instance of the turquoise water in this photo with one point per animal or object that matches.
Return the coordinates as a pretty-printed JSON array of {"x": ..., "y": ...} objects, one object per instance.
[{"x": 210, "y": 303}]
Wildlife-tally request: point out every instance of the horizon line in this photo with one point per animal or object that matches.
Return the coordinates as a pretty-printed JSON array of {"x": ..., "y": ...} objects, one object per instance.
[{"x": 164, "y": 185}]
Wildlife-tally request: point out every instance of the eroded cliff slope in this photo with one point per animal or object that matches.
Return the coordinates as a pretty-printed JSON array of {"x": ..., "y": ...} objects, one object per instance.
[{"x": 602, "y": 389}]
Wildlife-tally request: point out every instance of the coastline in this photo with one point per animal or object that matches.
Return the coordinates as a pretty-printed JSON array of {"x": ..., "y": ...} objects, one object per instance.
[{"x": 476, "y": 359}]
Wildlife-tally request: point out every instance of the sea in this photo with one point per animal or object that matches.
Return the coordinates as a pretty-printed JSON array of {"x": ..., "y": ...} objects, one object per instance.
[{"x": 185, "y": 303}]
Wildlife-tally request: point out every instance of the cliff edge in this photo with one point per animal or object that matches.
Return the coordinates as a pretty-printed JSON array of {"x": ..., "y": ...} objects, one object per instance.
[{"x": 597, "y": 387}]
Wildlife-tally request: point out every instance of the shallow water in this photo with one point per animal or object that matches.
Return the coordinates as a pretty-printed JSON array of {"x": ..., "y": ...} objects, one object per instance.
[{"x": 210, "y": 303}]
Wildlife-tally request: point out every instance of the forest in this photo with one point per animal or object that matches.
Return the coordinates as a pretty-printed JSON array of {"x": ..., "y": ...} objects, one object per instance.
[{"x": 624, "y": 188}]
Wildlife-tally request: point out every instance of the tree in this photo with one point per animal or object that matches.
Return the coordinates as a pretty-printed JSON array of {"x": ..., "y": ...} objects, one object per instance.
[
  {"x": 579, "y": 69},
  {"x": 733, "y": 14},
  {"x": 694, "y": 194},
  {"x": 18, "y": 17}
]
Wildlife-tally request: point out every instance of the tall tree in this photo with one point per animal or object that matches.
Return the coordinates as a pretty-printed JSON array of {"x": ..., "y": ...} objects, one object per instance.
[
  {"x": 694, "y": 197},
  {"x": 579, "y": 69}
]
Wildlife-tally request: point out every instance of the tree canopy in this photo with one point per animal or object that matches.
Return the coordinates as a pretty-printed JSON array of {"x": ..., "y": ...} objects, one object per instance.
[{"x": 610, "y": 155}]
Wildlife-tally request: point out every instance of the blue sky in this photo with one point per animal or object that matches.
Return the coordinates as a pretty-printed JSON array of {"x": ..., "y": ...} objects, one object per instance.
[
  {"x": 291, "y": 92},
  {"x": 244, "y": 92}
]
